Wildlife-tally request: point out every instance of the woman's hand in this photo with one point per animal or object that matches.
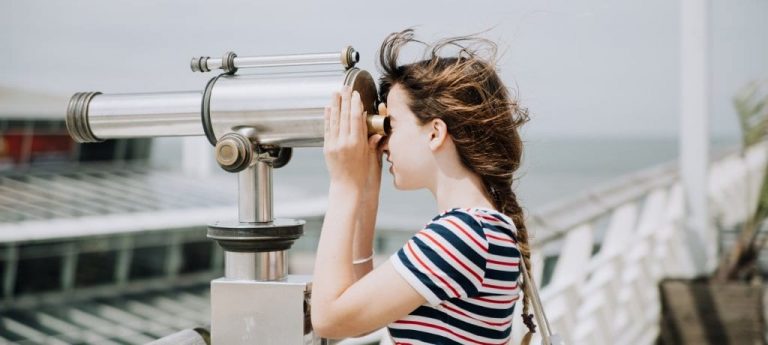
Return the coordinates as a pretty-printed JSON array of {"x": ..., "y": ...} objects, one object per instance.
[{"x": 351, "y": 158}]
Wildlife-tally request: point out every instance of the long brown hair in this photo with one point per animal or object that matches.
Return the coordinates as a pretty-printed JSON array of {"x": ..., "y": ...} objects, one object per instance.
[{"x": 465, "y": 92}]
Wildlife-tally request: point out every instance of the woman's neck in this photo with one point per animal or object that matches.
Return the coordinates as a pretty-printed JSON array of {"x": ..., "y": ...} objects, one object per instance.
[{"x": 461, "y": 190}]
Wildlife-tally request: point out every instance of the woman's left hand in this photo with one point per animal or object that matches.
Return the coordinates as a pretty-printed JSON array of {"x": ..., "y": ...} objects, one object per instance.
[{"x": 346, "y": 147}]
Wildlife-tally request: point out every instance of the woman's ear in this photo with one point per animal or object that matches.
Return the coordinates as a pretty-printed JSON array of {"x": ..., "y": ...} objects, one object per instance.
[{"x": 438, "y": 134}]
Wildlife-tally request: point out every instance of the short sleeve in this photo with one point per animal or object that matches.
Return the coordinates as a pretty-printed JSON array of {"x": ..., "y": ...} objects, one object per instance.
[{"x": 446, "y": 259}]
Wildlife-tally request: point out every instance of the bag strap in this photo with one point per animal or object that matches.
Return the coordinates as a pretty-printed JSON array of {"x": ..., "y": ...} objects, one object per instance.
[{"x": 538, "y": 310}]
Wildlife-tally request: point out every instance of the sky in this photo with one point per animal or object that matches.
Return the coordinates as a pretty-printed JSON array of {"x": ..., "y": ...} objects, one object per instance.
[{"x": 592, "y": 68}]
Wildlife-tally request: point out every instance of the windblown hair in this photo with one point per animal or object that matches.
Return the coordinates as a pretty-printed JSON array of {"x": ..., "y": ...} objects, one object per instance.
[{"x": 466, "y": 93}]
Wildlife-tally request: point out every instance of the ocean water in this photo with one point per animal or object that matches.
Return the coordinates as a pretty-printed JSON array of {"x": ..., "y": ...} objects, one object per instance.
[{"x": 552, "y": 169}]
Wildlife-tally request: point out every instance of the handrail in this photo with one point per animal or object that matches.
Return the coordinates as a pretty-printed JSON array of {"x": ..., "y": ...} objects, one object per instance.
[{"x": 602, "y": 198}]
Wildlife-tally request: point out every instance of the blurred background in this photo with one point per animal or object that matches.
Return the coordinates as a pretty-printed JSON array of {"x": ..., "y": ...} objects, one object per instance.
[{"x": 100, "y": 238}]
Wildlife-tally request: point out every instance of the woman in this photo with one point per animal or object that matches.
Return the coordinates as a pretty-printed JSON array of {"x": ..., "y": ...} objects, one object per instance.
[{"x": 454, "y": 132}]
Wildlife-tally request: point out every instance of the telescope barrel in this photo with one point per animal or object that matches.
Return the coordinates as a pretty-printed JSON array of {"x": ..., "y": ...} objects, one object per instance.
[
  {"x": 276, "y": 109},
  {"x": 283, "y": 109},
  {"x": 93, "y": 117}
]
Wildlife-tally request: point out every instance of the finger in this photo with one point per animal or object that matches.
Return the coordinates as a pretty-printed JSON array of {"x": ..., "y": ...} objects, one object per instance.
[
  {"x": 382, "y": 108},
  {"x": 381, "y": 144},
  {"x": 373, "y": 141},
  {"x": 346, "y": 96},
  {"x": 335, "y": 108},
  {"x": 357, "y": 126}
]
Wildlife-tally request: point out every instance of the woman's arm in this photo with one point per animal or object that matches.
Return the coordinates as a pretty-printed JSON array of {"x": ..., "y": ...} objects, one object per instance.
[
  {"x": 342, "y": 305},
  {"x": 362, "y": 246}
]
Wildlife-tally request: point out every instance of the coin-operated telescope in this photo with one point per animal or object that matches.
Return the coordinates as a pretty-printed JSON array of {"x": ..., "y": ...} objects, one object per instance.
[{"x": 254, "y": 120}]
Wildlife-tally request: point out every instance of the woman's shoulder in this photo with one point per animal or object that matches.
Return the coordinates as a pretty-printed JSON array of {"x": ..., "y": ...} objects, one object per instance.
[
  {"x": 478, "y": 221},
  {"x": 477, "y": 216}
]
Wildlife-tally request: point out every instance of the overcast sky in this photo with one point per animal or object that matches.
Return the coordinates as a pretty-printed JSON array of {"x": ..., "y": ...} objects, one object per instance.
[{"x": 587, "y": 68}]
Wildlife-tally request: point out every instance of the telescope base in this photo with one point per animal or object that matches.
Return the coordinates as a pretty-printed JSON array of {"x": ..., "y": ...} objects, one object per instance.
[{"x": 262, "y": 312}]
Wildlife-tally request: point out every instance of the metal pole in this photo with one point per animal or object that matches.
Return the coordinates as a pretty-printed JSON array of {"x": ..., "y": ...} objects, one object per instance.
[
  {"x": 255, "y": 206},
  {"x": 694, "y": 128}
]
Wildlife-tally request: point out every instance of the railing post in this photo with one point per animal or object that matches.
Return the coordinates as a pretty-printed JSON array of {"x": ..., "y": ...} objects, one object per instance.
[{"x": 694, "y": 127}]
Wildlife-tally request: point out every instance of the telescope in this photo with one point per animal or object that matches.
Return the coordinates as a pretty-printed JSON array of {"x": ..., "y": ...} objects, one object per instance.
[{"x": 254, "y": 120}]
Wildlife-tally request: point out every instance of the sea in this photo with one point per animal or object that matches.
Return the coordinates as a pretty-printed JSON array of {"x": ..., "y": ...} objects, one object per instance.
[{"x": 552, "y": 169}]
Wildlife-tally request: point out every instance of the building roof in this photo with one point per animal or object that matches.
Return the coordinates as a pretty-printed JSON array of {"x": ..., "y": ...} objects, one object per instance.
[{"x": 102, "y": 199}]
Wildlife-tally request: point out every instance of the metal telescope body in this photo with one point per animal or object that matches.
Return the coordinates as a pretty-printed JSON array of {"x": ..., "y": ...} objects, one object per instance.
[{"x": 254, "y": 121}]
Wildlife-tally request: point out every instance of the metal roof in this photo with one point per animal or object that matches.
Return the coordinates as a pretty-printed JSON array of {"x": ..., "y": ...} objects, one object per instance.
[
  {"x": 77, "y": 243},
  {"x": 127, "y": 319},
  {"x": 100, "y": 199}
]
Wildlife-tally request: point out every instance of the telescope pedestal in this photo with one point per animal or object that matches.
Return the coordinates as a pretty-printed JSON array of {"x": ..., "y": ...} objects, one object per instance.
[
  {"x": 256, "y": 302},
  {"x": 262, "y": 312}
]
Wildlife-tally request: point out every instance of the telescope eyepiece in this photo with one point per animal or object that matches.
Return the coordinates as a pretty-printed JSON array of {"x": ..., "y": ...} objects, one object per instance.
[{"x": 378, "y": 124}]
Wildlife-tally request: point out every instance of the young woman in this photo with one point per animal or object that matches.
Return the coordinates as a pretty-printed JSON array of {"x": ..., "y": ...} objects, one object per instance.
[{"x": 454, "y": 132}]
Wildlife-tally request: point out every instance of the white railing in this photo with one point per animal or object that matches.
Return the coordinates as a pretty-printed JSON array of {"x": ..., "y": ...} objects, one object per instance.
[
  {"x": 611, "y": 296},
  {"x": 614, "y": 244}
]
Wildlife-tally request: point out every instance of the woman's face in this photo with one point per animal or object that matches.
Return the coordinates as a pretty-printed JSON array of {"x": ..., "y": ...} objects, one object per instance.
[{"x": 407, "y": 146}]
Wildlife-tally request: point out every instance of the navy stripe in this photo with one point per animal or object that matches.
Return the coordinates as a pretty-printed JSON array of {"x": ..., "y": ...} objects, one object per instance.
[
  {"x": 502, "y": 230},
  {"x": 459, "y": 244},
  {"x": 465, "y": 326},
  {"x": 510, "y": 252},
  {"x": 470, "y": 222},
  {"x": 480, "y": 310},
  {"x": 501, "y": 275},
  {"x": 444, "y": 266},
  {"x": 421, "y": 276}
]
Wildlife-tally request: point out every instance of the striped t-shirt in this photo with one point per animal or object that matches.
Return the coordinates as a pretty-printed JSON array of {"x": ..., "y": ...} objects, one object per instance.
[{"x": 465, "y": 263}]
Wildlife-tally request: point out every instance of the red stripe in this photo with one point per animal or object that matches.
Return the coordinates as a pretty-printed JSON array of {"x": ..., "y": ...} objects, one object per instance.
[
  {"x": 500, "y": 238},
  {"x": 477, "y": 276},
  {"x": 467, "y": 234},
  {"x": 446, "y": 330},
  {"x": 497, "y": 301},
  {"x": 513, "y": 264},
  {"x": 413, "y": 253},
  {"x": 485, "y": 322},
  {"x": 488, "y": 217},
  {"x": 514, "y": 286}
]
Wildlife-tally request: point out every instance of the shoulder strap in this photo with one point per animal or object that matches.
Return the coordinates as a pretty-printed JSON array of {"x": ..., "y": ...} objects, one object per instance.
[{"x": 538, "y": 310}]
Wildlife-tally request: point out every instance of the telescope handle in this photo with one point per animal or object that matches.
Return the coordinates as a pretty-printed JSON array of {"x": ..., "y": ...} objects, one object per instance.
[{"x": 230, "y": 62}]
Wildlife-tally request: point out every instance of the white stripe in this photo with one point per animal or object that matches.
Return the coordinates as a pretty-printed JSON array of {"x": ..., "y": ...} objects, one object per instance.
[
  {"x": 500, "y": 291},
  {"x": 503, "y": 268},
  {"x": 497, "y": 242},
  {"x": 505, "y": 283},
  {"x": 503, "y": 258}
]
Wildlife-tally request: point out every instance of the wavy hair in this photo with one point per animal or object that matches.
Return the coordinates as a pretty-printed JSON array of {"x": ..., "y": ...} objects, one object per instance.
[{"x": 466, "y": 93}]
